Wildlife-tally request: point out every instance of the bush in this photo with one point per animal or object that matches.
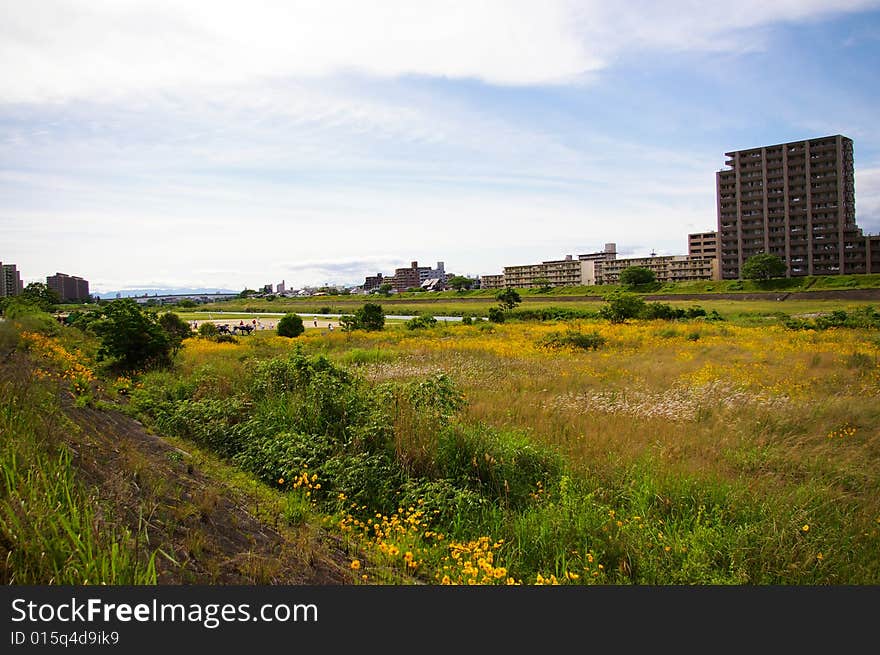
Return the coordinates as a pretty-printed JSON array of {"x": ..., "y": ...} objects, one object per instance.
[
  {"x": 622, "y": 305},
  {"x": 496, "y": 315},
  {"x": 420, "y": 322},
  {"x": 573, "y": 339},
  {"x": 208, "y": 330},
  {"x": 290, "y": 325}
]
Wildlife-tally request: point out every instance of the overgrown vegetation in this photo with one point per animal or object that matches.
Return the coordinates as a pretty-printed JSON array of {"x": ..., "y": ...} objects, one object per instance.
[{"x": 579, "y": 451}]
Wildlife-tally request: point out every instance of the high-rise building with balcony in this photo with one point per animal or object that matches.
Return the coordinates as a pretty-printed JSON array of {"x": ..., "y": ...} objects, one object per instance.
[
  {"x": 795, "y": 200},
  {"x": 70, "y": 288},
  {"x": 10, "y": 280}
]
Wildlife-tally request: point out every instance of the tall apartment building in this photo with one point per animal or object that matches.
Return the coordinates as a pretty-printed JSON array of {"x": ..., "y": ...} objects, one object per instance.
[
  {"x": 10, "y": 280},
  {"x": 795, "y": 200},
  {"x": 71, "y": 288}
]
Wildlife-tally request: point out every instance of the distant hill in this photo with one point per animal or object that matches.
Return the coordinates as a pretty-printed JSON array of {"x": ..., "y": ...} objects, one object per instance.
[{"x": 132, "y": 293}]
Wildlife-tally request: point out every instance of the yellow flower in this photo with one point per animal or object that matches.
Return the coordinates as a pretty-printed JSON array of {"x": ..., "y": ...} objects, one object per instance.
[
  {"x": 820, "y": 557},
  {"x": 355, "y": 564},
  {"x": 806, "y": 528},
  {"x": 280, "y": 480}
]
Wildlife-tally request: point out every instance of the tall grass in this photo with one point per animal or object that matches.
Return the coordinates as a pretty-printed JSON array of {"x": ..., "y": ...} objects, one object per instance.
[{"x": 52, "y": 529}]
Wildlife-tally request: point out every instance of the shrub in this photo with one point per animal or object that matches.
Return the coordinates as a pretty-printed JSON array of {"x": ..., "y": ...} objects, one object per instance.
[
  {"x": 622, "y": 305},
  {"x": 290, "y": 325},
  {"x": 421, "y": 321},
  {"x": 207, "y": 330},
  {"x": 573, "y": 339},
  {"x": 496, "y": 315}
]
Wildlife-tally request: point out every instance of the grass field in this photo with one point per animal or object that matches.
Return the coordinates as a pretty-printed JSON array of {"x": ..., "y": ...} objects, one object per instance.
[{"x": 736, "y": 451}]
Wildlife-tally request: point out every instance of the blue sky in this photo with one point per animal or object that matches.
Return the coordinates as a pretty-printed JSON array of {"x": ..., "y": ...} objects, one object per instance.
[{"x": 165, "y": 144}]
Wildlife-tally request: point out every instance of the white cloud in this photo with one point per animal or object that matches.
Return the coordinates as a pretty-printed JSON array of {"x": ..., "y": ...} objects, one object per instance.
[{"x": 58, "y": 50}]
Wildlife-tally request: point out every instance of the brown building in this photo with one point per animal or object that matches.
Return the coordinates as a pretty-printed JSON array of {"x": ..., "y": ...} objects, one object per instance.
[
  {"x": 372, "y": 282},
  {"x": 666, "y": 268},
  {"x": 70, "y": 287},
  {"x": 492, "y": 281},
  {"x": 795, "y": 200},
  {"x": 703, "y": 244},
  {"x": 10, "y": 280},
  {"x": 406, "y": 278}
]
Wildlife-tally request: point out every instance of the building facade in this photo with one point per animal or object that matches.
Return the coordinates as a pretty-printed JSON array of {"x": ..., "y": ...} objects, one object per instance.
[
  {"x": 10, "y": 280},
  {"x": 794, "y": 200},
  {"x": 703, "y": 244},
  {"x": 666, "y": 268},
  {"x": 70, "y": 288},
  {"x": 492, "y": 281}
]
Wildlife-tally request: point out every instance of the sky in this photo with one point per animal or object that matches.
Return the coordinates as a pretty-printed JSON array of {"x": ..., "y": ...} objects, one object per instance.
[{"x": 160, "y": 144}]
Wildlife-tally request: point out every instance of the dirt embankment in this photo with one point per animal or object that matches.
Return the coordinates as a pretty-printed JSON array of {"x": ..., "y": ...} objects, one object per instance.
[{"x": 208, "y": 527}]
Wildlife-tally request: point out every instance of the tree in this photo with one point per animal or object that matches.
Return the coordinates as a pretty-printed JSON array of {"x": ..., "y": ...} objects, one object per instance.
[
  {"x": 131, "y": 337},
  {"x": 622, "y": 305},
  {"x": 41, "y": 295},
  {"x": 543, "y": 284},
  {"x": 370, "y": 317},
  {"x": 633, "y": 276},
  {"x": 763, "y": 266},
  {"x": 508, "y": 298},
  {"x": 290, "y": 325},
  {"x": 460, "y": 282},
  {"x": 247, "y": 293},
  {"x": 176, "y": 328},
  {"x": 385, "y": 289},
  {"x": 496, "y": 315}
]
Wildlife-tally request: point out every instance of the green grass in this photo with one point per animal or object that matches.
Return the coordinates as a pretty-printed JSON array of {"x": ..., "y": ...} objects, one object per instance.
[{"x": 51, "y": 525}]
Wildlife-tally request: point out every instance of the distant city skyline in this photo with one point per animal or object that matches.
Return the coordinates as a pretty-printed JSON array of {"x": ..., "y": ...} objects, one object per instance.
[{"x": 223, "y": 145}]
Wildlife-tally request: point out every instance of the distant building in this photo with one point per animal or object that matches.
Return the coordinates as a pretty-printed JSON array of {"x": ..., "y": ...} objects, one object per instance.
[
  {"x": 407, "y": 278},
  {"x": 280, "y": 288},
  {"x": 70, "y": 288},
  {"x": 10, "y": 280},
  {"x": 492, "y": 281},
  {"x": 797, "y": 201},
  {"x": 373, "y": 282},
  {"x": 666, "y": 268},
  {"x": 555, "y": 273},
  {"x": 703, "y": 244}
]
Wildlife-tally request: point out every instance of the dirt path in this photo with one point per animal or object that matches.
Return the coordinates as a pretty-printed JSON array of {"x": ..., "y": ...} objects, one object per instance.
[{"x": 208, "y": 526}]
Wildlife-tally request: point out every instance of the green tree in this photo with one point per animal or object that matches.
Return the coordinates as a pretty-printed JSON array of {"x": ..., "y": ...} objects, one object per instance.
[
  {"x": 508, "y": 298},
  {"x": 290, "y": 325},
  {"x": 543, "y": 284},
  {"x": 622, "y": 305},
  {"x": 385, "y": 289},
  {"x": 371, "y": 317},
  {"x": 496, "y": 315},
  {"x": 176, "y": 328},
  {"x": 763, "y": 266},
  {"x": 247, "y": 293},
  {"x": 208, "y": 330},
  {"x": 633, "y": 276},
  {"x": 41, "y": 295},
  {"x": 134, "y": 339},
  {"x": 460, "y": 282}
]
